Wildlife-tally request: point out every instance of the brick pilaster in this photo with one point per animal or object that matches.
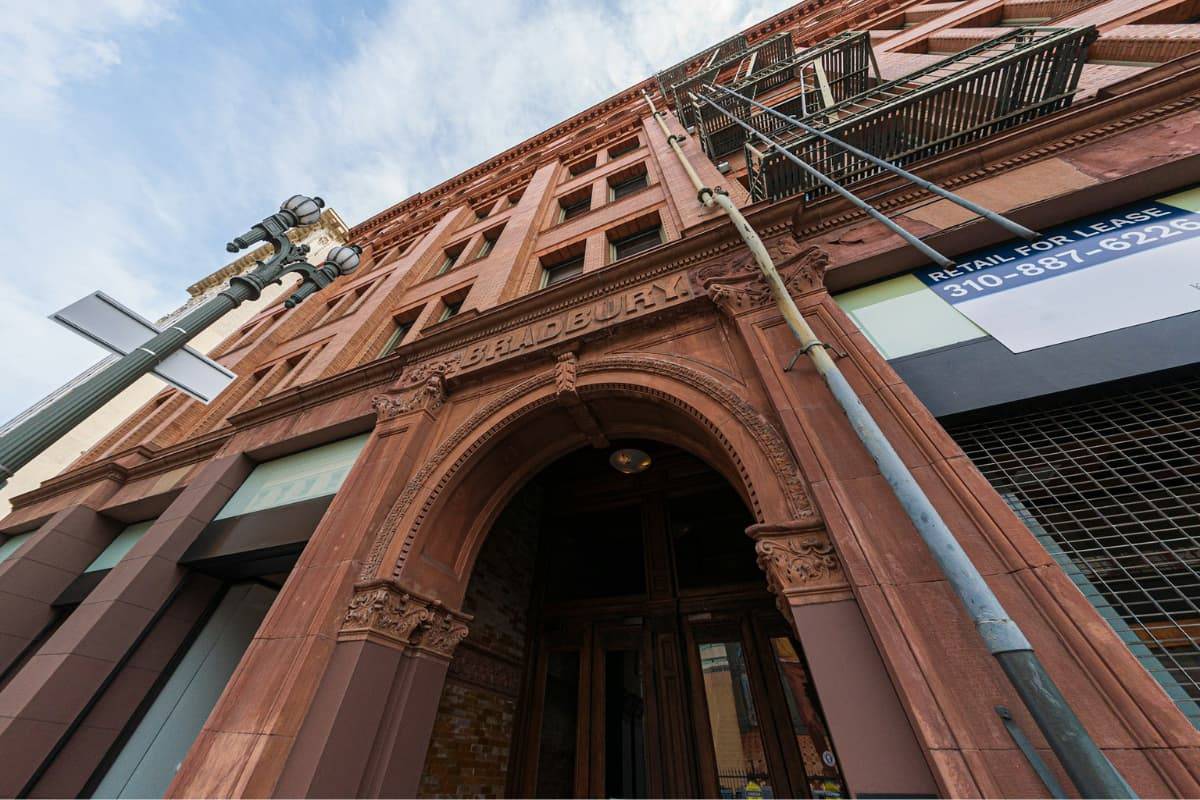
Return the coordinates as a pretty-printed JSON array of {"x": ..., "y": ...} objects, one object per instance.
[
  {"x": 45, "y": 699},
  {"x": 34, "y": 576},
  {"x": 515, "y": 244}
]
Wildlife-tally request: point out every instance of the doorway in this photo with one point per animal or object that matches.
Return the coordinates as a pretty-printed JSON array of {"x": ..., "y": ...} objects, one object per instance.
[{"x": 658, "y": 664}]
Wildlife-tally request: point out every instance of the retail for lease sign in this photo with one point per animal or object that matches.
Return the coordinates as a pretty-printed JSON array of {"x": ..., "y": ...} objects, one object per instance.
[{"x": 1131, "y": 265}]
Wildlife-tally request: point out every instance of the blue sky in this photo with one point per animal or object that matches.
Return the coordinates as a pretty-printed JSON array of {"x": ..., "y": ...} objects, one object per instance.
[{"x": 140, "y": 135}]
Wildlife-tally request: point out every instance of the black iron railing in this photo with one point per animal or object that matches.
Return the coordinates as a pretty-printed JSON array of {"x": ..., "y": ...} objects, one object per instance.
[
  {"x": 992, "y": 86},
  {"x": 846, "y": 63}
]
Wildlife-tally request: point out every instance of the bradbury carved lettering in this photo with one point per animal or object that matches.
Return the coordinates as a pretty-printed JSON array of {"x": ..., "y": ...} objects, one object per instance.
[{"x": 608, "y": 311}]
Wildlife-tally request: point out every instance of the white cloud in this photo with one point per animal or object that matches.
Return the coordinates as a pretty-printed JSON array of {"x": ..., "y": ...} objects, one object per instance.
[
  {"x": 72, "y": 218},
  {"x": 422, "y": 92},
  {"x": 47, "y": 46},
  {"x": 434, "y": 88}
]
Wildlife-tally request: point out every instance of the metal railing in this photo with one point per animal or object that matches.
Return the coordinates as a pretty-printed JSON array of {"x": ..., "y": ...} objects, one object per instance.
[
  {"x": 846, "y": 62},
  {"x": 754, "y": 58},
  {"x": 721, "y": 50},
  {"x": 983, "y": 90}
]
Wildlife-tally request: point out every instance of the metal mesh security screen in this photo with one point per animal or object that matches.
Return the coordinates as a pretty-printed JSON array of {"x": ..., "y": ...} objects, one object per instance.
[{"x": 1111, "y": 487}]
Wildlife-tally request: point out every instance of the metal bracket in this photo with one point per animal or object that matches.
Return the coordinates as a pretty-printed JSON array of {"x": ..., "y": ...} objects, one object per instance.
[
  {"x": 803, "y": 351},
  {"x": 1031, "y": 755}
]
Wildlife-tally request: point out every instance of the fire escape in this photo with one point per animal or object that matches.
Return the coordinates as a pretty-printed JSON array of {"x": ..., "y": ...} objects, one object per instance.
[{"x": 825, "y": 111}]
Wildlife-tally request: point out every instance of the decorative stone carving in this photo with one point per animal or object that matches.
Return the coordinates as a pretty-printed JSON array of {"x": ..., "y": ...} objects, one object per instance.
[
  {"x": 565, "y": 371},
  {"x": 768, "y": 439},
  {"x": 800, "y": 563},
  {"x": 738, "y": 285},
  {"x": 483, "y": 668},
  {"x": 421, "y": 373},
  {"x": 384, "y": 612},
  {"x": 441, "y": 635},
  {"x": 429, "y": 396}
]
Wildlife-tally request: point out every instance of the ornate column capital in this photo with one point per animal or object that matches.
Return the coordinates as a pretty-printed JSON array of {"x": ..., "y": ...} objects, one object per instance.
[
  {"x": 421, "y": 389},
  {"x": 737, "y": 285},
  {"x": 800, "y": 563},
  {"x": 386, "y": 613}
]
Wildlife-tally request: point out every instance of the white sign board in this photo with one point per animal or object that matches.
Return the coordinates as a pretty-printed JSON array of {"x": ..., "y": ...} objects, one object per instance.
[
  {"x": 116, "y": 328},
  {"x": 1128, "y": 266}
]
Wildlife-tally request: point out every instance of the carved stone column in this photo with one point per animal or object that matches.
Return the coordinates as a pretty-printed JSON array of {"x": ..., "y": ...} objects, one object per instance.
[
  {"x": 383, "y": 612},
  {"x": 305, "y": 704},
  {"x": 800, "y": 563},
  {"x": 369, "y": 729},
  {"x": 875, "y": 743}
]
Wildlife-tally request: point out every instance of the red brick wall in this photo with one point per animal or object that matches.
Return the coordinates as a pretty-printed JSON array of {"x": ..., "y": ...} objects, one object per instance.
[{"x": 472, "y": 736}]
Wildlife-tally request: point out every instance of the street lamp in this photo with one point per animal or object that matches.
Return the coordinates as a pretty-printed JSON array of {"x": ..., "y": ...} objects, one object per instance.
[{"x": 25, "y": 440}]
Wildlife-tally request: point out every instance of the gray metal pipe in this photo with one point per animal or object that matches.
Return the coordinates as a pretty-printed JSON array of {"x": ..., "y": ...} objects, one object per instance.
[
  {"x": 1088, "y": 767},
  {"x": 1004, "y": 222},
  {"x": 926, "y": 250}
]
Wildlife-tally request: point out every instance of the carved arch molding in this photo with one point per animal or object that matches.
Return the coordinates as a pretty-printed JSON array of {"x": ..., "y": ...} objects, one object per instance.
[{"x": 767, "y": 438}]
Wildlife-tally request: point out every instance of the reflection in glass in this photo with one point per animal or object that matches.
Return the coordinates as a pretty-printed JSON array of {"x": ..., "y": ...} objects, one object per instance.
[
  {"x": 819, "y": 763},
  {"x": 560, "y": 711},
  {"x": 624, "y": 721},
  {"x": 737, "y": 740}
]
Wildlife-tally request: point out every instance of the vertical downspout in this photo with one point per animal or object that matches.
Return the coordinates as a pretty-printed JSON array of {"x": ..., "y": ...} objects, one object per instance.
[{"x": 1083, "y": 761}]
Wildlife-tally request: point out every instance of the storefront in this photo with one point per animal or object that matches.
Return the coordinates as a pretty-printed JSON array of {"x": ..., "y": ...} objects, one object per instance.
[{"x": 1066, "y": 369}]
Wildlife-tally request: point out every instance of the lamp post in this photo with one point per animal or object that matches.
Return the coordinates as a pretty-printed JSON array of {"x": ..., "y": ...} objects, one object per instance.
[{"x": 24, "y": 441}]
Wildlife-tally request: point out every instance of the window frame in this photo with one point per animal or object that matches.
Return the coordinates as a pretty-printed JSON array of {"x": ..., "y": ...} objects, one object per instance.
[
  {"x": 548, "y": 271},
  {"x": 624, "y": 147},
  {"x": 581, "y": 166},
  {"x": 613, "y": 246},
  {"x": 397, "y": 338},
  {"x": 450, "y": 309},
  {"x": 450, "y": 258},
  {"x": 568, "y": 212},
  {"x": 643, "y": 176}
]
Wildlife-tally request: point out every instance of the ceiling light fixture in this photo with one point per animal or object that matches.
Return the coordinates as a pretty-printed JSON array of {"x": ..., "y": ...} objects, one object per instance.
[{"x": 630, "y": 460}]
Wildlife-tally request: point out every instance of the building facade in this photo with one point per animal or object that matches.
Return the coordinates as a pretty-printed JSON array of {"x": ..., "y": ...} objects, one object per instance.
[
  {"x": 542, "y": 502},
  {"x": 328, "y": 232}
]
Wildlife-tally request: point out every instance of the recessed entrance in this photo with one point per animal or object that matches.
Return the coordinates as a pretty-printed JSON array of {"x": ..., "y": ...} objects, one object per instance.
[{"x": 657, "y": 663}]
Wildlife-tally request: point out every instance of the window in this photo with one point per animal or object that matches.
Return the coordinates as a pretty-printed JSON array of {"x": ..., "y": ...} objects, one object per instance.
[
  {"x": 481, "y": 213},
  {"x": 557, "y": 273},
  {"x": 452, "y": 308},
  {"x": 582, "y": 166},
  {"x": 148, "y": 761},
  {"x": 627, "y": 181},
  {"x": 449, "y": 256},
  {"x": 636, "y": 243},
  {"x": 515, "y": 197},
  {"x": 10, "y": 545},
  {"x": 397, "y": 338},
  {"x": 621, "y": 148},
  {"x": 575, "y": 204},
  {"x": 902, "y": 316},
  {"x": 489, "y": 241}
]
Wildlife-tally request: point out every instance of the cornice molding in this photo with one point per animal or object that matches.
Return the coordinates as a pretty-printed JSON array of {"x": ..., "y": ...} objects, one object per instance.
[{"x": 770, "y": 26}]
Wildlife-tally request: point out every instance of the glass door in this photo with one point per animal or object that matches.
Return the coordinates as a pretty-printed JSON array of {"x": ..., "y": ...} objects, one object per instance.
[
  {"x": 759, "y": 733},
  {"x": 619, "y": 765},
  {"x": 593, "y": 717}
]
